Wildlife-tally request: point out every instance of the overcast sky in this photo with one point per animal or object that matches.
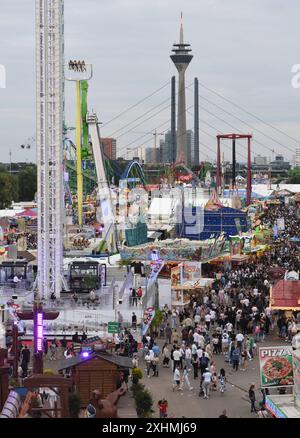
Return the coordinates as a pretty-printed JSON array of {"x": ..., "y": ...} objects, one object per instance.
[{"x": 242, "y": 50}]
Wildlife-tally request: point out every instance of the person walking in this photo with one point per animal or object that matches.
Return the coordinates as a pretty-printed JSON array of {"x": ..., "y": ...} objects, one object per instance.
[
  {"x": 252, "y": 398},
  {"x": 45, "y": 346},
  {"x": 188, "y": 357},
  {"x": 177, "y": 379},
  {"x": 166, "y": 356},
  {"x": 25, "y": 359},
  {"x": 185, "y": 378},
  {"x": 236, "y": 355},
  {"x": 244, "y": 357},
  {"x": 133, "y": 297},
  {"x": 148, "y": 360},
  {"x": 140, "y": 294},
  {"x": 176, "y": 358},
  {"x": 222, "y": 380},
  {"x": 133, "y": 321},
  {"x": 206, "y": 377},
  {"x": 195, "y": 363},
  {"x": 53, "y": 349},
  {"x": 163, "y": 408},
  {"x": 154, "y": 364},
  {"x": 168, "y": 333}
]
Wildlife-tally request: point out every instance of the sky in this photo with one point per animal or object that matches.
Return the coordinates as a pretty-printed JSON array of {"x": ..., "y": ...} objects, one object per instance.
[{"x": 243, "y": 51}]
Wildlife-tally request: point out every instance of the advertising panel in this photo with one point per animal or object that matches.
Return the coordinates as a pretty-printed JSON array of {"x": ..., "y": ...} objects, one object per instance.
[
  {"x": 147, "y": 319},
  {"x": 276, "y": 366}
]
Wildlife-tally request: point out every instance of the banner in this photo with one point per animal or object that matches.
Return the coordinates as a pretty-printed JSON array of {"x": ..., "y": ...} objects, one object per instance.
[
  {"x": 276, "y": 366},
  {"x": 147, "y": 319}
]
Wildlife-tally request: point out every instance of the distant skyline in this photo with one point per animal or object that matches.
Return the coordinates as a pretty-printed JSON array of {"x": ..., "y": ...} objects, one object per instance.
[{"x": 242, "y": 51}]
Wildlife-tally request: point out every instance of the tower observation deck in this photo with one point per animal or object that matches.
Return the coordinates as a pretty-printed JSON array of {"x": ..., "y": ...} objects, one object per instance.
[{"x": 181, "y": 57}]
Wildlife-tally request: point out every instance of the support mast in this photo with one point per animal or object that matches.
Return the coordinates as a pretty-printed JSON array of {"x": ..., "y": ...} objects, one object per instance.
[{"x": 49, "y": 140}]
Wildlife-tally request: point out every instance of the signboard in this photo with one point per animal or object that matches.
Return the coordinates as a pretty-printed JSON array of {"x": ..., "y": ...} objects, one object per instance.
[
  {"x": 186, "y": 274},
  {"x": 147, "y": 319},
  {"x": 276, "y": 366},
  {"x": 113, "y": 327}
]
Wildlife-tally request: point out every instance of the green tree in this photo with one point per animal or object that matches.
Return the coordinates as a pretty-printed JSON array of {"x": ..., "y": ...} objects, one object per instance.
[
  {"x": 27, "y": 183},
  {"x": 8, "y": 189},
  {"x": 294, "y": 176}
]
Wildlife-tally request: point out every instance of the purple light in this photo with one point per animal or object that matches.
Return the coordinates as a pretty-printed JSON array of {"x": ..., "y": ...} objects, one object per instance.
[
  {"x": 85, "y": 354},
  {"x": 39, "y": 331}
]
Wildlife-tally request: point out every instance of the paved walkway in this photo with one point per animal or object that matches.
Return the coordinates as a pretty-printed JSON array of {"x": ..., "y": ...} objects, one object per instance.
[{"x": 188, "y": 403}]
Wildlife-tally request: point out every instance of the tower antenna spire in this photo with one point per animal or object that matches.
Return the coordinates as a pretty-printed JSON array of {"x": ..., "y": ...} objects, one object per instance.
[{"x": 181, "y": 29}]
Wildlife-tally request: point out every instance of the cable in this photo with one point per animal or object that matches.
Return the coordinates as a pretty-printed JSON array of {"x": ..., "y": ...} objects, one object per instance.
[
  {"x": 236, "y": 129},
  {"x": 150, "y": 133},
  {"x": 157, "y": 127},
  {"x": 254, "y": 140},
  {"x": 136, "y": 104},
  {"x": 212, "y": 136},
  {"x": 250, "y": 126},
  {"x": 147, "y": 112},
  {"x": 248, "y": 112}
]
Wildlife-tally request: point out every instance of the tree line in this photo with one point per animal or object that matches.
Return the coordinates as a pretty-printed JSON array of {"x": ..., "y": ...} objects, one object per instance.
[{"x": 17, "y": 184}]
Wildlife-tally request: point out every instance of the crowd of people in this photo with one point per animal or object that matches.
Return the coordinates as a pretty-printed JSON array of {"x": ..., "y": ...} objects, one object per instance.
[{"x": 231, "y": 318}]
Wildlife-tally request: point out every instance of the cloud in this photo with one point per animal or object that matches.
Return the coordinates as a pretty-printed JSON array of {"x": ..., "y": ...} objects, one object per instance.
[{"x": 242, "y": 50}]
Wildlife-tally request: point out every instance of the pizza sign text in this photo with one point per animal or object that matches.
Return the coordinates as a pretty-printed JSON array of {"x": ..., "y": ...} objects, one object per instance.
[{"x": 275, "y": 352}]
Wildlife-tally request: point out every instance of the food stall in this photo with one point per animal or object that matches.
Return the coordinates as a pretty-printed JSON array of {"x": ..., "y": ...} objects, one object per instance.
[{"x": 186, "y": 281}]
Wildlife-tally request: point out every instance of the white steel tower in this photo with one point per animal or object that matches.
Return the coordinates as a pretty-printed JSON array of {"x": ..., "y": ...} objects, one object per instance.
[{"x": 49, "y": 141}]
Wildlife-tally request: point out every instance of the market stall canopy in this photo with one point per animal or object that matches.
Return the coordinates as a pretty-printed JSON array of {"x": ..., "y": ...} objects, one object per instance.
[
  {"x": 276, "y": 272},
  {"x": 296, "y": 197},
  {"x": 27, "y": 213},
  {"x": 285, "y": 295},
  {"x": 281, "y": 193}
]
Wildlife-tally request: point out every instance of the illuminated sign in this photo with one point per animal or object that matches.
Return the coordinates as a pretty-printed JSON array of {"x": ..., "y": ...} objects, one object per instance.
[{"x": 39, "y": 331}]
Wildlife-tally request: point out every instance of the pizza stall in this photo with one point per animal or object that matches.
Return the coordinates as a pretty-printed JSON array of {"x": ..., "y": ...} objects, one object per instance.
[{"x": 280, "y": 377}]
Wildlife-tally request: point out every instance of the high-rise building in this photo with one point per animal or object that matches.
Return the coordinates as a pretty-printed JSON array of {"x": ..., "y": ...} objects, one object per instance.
[
  {"x": 152, "y": 155},
  {"x": 260, "y": 160},
  {"x": 109, "y": 147},
  {"x": 166, "y": 148},
  {"x": 181, "y": 59},
  {"x": 190, "y": 148}
]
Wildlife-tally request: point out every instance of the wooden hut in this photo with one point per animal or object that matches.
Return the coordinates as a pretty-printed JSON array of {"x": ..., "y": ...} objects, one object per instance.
[{"x": 100, "y": 370}]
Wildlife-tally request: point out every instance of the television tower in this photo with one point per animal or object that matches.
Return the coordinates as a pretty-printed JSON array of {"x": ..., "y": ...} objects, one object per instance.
[
  {"x": 49, "y": 143},
  {"x": 181, "y": 59}
]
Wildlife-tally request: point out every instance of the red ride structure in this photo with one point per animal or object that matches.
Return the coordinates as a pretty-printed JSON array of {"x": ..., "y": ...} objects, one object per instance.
[{"x": 234, "y": 137}]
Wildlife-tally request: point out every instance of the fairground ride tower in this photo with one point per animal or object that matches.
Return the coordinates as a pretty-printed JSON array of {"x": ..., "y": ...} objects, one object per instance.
[{"x": 49, "y": 141}]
